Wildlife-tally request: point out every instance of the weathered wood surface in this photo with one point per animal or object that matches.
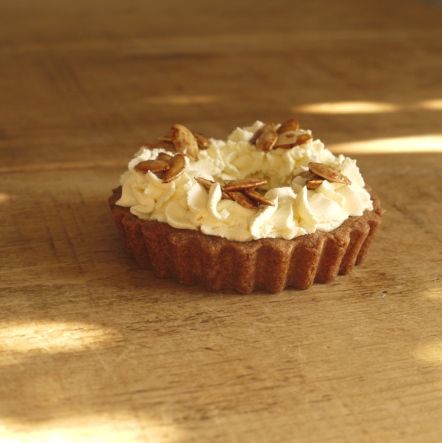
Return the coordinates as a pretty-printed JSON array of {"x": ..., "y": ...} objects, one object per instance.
[{"x": 91, "y": 349}]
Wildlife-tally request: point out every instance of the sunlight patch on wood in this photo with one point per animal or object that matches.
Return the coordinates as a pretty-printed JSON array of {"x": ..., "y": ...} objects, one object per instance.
[
  {"x": 418, "y": 144},
  {"x": 4, "y": 197},
  {"x": 116, "y": 428},
  {"x": 430, "y": 352},
  {"x": 53, "y": 337},
  {"x": 432, "y": 105},
  {"x": 350, "y": 107},
  {"x": 434, "y": 293}
]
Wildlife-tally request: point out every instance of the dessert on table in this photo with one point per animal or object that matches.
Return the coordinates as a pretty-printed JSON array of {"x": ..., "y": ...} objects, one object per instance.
[{"x": 266, "y": 209}]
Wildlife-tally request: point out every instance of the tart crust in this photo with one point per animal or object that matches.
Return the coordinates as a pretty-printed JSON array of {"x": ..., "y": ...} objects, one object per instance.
[{"x": 268, "y": 264}]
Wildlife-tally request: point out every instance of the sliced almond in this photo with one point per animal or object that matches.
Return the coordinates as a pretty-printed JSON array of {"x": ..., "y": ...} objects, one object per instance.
[
  {"x": 289, "y": 125},
  {"x": 285, "y": 143},
  {"x": 286, "y": 146},
  {"x": 239, "y": 185},
  {"x": 204, "y": 182},
  {"x": 268, "y": 138},
  {"x": 314, "y": 184},
  {"x": 177, "y": 165},
  {"x": 241, "y": 199},
  {"x": 287, "y": 138},
  {"x": 203, "y": 142},
  {"x": 184, "y": 141},
  {"x": 164, "y": 157},
  {"x": 308, "y": 175},
  {"x": 303, "y": 138},
  {"x": 256, "y": 135},
  {"x": 152, "y": 166},
  {"x": 328, "y": 172},
  {"x": 257, "y": 197},
  {"x": 208, "y": 183}
]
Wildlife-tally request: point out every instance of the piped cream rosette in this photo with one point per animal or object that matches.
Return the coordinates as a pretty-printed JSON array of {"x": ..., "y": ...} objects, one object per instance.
[{"x": 302, "y": 199}]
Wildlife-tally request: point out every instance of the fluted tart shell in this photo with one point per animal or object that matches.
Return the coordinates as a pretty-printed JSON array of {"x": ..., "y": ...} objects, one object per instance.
[{"x": 269, "y": 264}]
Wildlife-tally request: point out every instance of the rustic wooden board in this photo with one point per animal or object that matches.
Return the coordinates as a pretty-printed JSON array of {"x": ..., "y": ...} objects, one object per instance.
[{"x": 92, "y": 349}]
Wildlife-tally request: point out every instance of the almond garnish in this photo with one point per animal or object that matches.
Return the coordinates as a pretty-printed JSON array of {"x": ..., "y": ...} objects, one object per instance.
[
  {"x": 241, "y": 191},
  {"x": 248, "y": 183},
  {"x": 184, "y": 141},
  {"x": 308, "y": 175},
  {"x": 257, "y": 197},
  {"x": 300, "y": 140},
  {"x": 268, "y": 138},
  {"x": 152, "y": 166},
  {"x": 303, "y": 138},
  {"x": 256, "y": 135},
  {"x": 314, "y": 184},
  {"x": 205, "y": 183},
  {"x": 176, "y": 168},
  {"x": 328, "y": 172},
  {"x": 203, "y": 142},
  {"x": 289, "y": 125},
  {"x": 164, "y": 157},
  {"x": 241, "y": 199}
]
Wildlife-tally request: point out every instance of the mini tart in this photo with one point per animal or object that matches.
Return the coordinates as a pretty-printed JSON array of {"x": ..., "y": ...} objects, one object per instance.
[{"x": 268, "y": 264}]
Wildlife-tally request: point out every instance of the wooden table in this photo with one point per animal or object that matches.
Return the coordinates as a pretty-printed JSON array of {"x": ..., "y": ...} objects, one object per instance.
[{"x": 94, "y": 350}]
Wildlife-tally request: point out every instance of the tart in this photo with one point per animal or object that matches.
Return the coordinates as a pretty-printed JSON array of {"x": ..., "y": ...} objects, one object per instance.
[{"x": 266, "y": 209}]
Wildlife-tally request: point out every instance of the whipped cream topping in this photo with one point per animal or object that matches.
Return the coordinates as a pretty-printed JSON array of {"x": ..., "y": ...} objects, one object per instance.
[{"x": 185, "y": 204}]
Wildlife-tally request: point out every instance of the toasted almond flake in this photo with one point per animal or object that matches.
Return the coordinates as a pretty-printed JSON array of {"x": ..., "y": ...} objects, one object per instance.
[
  {"x": 241, "y": 199},
  {"x": 203, "y": 142},
  {"x": 184, "y": 141},
  {"x": 256, "y": 135},
  {"x": 300, "y": 140},
  {"x": 204, "y": 182},
  {"x": 164, "y": 157},
  {"x": 303, "y": 138},
  {"x": 208, "y": 183},
  {"x": 268, "y": 138},
  {"x": 314, "y": 184},
  {"x": 257, "y": 197},
  {"x": 308, "y": 175},
  {"x": 287, "y": 138},
  {"x": 328, "y": 172},
  {"x": 291, "y": 124},
  {"x": 177, "y": 165},
  {"x": 248, "y": 183},
  {"x": 152, "y": 165},
  {"x": 286, "y": 146}
]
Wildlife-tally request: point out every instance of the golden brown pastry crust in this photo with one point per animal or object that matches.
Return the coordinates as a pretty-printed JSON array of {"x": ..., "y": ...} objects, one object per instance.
[{"x": 267, "y": 264}]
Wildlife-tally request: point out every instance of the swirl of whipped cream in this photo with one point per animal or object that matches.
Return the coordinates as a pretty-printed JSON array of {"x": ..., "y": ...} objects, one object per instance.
[{"x": 185, "y": 204}]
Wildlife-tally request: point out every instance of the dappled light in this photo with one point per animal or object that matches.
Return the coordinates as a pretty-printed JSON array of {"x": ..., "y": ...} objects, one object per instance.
[
  {"x": 53, "y": 337},
  {"x": 4, "y": 197},
  {"x": 91, "y": 429},
  {"x": 350, "y": 107},
  {"x": 431, "y": 143},
  {"x": 431, "y": 105},
  {"x": 434, "y": 293},
  {"x": 366, "y": 107},
  {"x": 430, "y": 352}
]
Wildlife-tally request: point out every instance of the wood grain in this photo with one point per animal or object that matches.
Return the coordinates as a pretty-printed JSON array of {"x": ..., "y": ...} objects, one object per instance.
[{"x": 91, "y": 347}]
